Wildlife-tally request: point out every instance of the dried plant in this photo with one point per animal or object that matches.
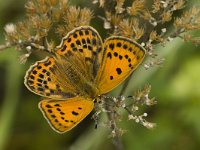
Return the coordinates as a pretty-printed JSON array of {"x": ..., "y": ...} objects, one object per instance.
[
  {"x": 149, "y": 24},
  {"x": 43, "y": 18}
]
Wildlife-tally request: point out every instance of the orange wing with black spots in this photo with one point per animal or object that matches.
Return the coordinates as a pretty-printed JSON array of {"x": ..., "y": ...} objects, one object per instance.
[
  {"x": 82, "y": 69},
  {"x": 83, "y": 48},
  {"x": 42, "y": 80},
  {"x": 120, "y": 58},
  {"x": 63, "y": 115}
]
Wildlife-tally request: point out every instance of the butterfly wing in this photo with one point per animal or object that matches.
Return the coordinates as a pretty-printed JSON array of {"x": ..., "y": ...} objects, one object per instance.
[
  {"x": 72, "y": 71},
  {"x": 83, "y": 48},
  {"x": 120, "y": 58},
  {"x": 63, "y": 115},
  {"x": 42, "y": 80}
]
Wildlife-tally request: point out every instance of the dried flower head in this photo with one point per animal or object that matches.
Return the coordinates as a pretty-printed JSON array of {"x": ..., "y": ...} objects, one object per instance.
[
  {"x": 136, "y": 8},
  {"x": 10, "y": 28}
]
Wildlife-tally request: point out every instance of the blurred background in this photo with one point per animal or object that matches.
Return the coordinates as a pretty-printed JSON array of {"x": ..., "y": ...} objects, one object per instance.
[{"x": 175, "y": 85}]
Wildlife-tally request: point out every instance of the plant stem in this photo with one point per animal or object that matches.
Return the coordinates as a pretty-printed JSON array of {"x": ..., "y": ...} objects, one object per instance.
[
  {"x": 8, "y": 109},
  {"x": 116, "y": 139},
  {"x": 125, "y": 85},
  {"x": 111, "y": 116},
  {"x": 4, "y": 46}
]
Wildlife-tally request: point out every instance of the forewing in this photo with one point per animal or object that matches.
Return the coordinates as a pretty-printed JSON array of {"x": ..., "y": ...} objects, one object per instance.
[
  {"x": 82, "y": 47},
  {"x": 63, "y": 115},
  {"x": 42, "y": 80},
  {"x": 120, "y": 58}
]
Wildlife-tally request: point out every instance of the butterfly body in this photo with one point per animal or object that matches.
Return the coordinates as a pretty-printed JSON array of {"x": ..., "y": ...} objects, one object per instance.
[{"x": 82, "y": 68}]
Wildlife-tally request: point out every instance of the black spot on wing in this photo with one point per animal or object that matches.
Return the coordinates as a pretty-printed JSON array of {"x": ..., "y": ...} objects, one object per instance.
[
  {"x": 62, "y": 113},
  {"x": 63, "y": 48},
  {"x": 125, "y": 46},
  {"x": 49, "y": 110},
  {"x": 39, "y": 80},
  {"x": 78, "y": 42},
  {"x": 80, "y": 33},
  {"x": 41, "y": 76},
  {"x": 48, "y": 63},
  {"x": 109, "y": 55},
  {"x": 130, "y": 49},
  {"x": 40, "y": 89},
  {"x": 75, "y": 35},
  {"x": 44, "y": 70},
  {"x": 30, "y": 82},
  {"x": 83, "y": 41},
  {"x": 69, "y": 40},
  {"x": 48, "y": 106},
  {"x": 88, "y": 41},
  {"x": 53, "y": 116},
  {"x": 57, "y": 105},
  {"x": 38, "y": 84},
  {"x": 119, "y": 71},
  {"x": 72, "y": 45},
  {"x": 34, "y": 72},
  {"x": 58, "y": 109},
  {"x": 115, "y": 54},
  {"x": 111, "y": 46},
  {"x": 94, "y": 42},
  {"x": 119, "y": 44},
  {"x": 32, "y": 77},
  {"x": 111, "y": 77},
  {"x": 74, "y": 113},
  {"x": 80, "y": 50},
  {"x": 89, "y": 47}
]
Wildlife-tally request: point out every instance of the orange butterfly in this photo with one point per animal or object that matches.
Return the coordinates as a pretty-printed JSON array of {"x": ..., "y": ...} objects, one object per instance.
[{"x": 82, "y": 69}]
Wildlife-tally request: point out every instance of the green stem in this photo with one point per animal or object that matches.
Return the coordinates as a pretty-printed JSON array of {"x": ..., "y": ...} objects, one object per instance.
[
  {"x": 8, "y": 109},
  {"x": 125, "y": 85}
]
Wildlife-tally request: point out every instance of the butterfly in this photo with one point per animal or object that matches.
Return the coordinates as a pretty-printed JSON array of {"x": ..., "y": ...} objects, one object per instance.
[{"x": 81, "y": 69}]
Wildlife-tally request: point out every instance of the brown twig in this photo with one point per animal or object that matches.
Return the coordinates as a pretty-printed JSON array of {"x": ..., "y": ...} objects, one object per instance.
[
  {"x": 4, "y": 46},
  {"x": 116, "y": 138}
]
